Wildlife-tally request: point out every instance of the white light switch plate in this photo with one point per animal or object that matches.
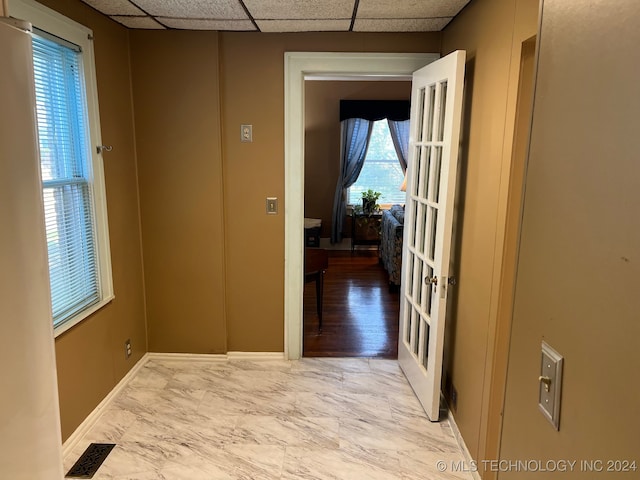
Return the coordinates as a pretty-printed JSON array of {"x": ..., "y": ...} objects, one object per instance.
[
  {"x": 550, "y": 384},
  {"x": 272, "y": 206}
]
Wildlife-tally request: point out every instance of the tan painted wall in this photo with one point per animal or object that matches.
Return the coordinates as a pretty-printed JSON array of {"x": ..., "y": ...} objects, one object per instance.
[
  {"x": 322, "y": 137},
  {"x": 177, "y": 120},
  {"x": 579, "y": 258},
  {"x": 90, "y": 356},
  {"x": 492, "y": 33},
  {"x": 252, "y": 91}
]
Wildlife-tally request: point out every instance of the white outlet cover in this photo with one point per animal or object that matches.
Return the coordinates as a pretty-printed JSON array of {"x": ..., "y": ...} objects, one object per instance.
[{"x": 246, "y": 133}]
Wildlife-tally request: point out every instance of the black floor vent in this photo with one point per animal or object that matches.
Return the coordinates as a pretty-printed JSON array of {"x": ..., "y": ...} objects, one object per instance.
[{"x": 90, "y": 461}]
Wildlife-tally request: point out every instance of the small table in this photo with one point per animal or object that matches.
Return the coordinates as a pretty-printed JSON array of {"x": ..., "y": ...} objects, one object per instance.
[
  {"x": 316, "y": 262},
  {"x": 365, "y": 229}
]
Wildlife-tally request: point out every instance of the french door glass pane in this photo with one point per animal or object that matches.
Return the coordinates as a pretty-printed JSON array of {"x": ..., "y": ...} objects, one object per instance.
[
  {"x": 420, "y": 115},
  {"x": 424, "y": 341},
  {"x": 437, "y": 173},
  {"x": 415, "y": 323},
  {"x": 442, "y": 110},
  {"x": 430, "y": 112},
  {"x": 419, "y": 153},
  {"x": 426, "y": 174},
  {"x": 433, "y": 225}
]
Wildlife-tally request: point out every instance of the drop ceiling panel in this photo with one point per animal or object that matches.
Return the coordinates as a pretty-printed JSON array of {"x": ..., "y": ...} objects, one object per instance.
[
  {"x": 283, "y": 15},
  {"x": 304, "y": 25},
  {"x": 219, "y": 9},
  {"x": 401, "y": 25},
  {"x": 409, "y": 8},
  {"x": 115, "y": 7},
  {"x": 198, "y": 24},
  {"x": 296, "y": 9},
  {"x": 138, "y": 22}
]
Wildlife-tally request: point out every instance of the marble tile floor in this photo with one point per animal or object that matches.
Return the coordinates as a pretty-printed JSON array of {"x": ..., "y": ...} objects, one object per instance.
[{"x": 316, "y": 418}]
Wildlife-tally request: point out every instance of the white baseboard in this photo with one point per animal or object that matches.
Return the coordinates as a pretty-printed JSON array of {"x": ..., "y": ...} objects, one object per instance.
[
  {"x": 97, "y": 412},
  {"x": 193, "y": 357},
  {"x": 256, "y": 356},
  {"x": 229, "y": 356},
  {"x": 463, "y": 446}
]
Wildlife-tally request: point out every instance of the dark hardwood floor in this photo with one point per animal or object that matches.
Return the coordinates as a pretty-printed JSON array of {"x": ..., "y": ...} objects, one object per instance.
[{"x": 360, "y": 316}]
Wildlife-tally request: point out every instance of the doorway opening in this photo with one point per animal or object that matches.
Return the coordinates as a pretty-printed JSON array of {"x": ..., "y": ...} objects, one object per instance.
[
  {"x": 318, "y": 65},
  {"x": 358, "y": 312}
]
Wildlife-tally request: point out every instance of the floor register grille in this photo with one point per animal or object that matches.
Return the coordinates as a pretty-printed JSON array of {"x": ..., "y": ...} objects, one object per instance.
[{"x": 90, "y": 461}]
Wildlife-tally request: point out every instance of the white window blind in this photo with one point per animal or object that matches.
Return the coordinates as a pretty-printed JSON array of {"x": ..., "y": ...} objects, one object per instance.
[{"x": 66, "y": 174}]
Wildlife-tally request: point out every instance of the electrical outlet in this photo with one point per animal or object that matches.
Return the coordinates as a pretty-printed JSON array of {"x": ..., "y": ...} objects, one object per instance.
[
  {"x": 246, "y": 133},
  {"x": 127, "y": 348}
]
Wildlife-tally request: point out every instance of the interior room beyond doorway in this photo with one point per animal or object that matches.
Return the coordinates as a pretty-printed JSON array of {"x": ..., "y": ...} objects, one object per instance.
[{"x": 360, "y": 313}]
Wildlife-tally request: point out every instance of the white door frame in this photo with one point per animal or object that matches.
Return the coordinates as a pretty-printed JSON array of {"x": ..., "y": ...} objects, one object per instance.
[{"x": 297, "y": 67}]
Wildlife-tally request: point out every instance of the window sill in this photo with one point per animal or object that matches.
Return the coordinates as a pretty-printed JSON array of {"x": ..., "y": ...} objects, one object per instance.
[
  {"x": 73, "y": 321},
  {"x": 383, "y": 206}
]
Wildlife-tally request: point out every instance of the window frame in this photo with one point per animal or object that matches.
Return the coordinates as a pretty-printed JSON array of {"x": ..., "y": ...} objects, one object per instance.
[{"x": 60, "y": 26}]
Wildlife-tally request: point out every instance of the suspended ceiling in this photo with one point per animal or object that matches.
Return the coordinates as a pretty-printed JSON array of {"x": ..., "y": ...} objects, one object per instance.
[{"x": 283, "y": 15}]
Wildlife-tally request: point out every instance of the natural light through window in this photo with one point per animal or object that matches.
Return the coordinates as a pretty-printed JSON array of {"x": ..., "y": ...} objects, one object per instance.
[
  {"x": 73, "y": 191},
  {"x": 381, "y": 171}
]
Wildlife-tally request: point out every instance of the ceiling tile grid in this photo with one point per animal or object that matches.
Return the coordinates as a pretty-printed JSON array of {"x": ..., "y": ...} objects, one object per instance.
[
  {"x": 147, "y": 23},
  {"x": 115, "y": 7},
  {"x": 401, "y": 24},
  {"x": 201, "y": 9},
  {"x": 405, "y": 9},
  {"x": 208, "y": 24},
  {"x": 283, "y": 15},
  {"x": 329, "y": 25},
  {"x": 300, "y": 9}
]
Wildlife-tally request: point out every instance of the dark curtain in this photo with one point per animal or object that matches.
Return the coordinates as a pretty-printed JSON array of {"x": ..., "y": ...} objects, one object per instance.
[
  {"x": 373, "y": 110},
  {"x": 400, "y": 136},
  {"x": 354, "y": 141}
]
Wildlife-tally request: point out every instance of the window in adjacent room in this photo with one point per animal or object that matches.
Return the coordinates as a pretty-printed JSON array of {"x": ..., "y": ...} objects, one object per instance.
[
  {"x": 71, "y": 169},
  {"x": 381, "y": 171}
]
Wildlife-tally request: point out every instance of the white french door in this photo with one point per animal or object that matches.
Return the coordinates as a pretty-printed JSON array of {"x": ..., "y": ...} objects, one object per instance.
[{"x": 436, "y": 108}]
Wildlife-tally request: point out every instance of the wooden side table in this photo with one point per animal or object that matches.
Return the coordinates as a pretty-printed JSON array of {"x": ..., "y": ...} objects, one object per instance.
[{"x": 365, "y": 229}]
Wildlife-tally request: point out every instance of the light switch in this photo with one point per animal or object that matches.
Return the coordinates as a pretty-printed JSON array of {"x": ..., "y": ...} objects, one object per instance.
[
  {"x": 272, "y": 206},
  {"x": 550, "y": 384}
]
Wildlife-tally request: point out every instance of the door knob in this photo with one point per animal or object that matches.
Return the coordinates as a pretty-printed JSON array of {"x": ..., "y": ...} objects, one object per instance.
[{"x": 431, "y": 280}]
